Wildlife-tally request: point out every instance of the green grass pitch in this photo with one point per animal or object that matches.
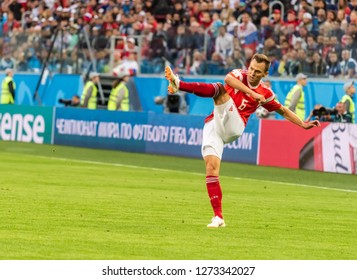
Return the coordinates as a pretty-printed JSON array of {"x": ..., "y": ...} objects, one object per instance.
[{"x": 72, "y": 203}]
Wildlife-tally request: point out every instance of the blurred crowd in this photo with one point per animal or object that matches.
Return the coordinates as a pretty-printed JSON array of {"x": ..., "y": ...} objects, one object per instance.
[{"x": 212, "y": 37}]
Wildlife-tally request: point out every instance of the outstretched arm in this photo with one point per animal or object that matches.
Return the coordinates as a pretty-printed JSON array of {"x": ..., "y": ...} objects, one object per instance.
[
  {"x": 292, "y": 117},
  {"x": 237, "y": 84}
]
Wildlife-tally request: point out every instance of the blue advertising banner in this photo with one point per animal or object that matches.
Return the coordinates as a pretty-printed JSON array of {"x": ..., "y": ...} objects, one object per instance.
[
  {"x": 99, "y": 129},
  {"x": 180, "y": 135},
  {"x": 166, "y": 134}
]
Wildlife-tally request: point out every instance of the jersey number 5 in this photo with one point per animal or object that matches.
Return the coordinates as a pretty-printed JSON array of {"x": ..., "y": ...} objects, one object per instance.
[{"x": 243, "y": 104}]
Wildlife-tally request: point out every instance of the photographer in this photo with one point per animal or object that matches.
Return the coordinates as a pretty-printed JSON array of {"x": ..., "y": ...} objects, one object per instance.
[
  {"x": 318, "y": 113},
  {"x": 74, "y": 102},
  {"x": 337, "y": 114},
  {"x": 174, "y": 103},
  {"x": 341, "y": 114}
]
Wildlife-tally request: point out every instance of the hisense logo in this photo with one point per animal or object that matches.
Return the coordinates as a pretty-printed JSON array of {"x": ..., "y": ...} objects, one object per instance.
[{"x": 23, "y": 128}]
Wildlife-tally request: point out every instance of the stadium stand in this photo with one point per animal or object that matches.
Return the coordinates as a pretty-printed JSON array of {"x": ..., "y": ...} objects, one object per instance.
[{"x": 299, "y": 36}]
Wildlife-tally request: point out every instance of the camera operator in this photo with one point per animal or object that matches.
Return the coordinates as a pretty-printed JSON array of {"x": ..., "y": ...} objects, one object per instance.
[
  {"x": 318, "y": 113},
  {"x": 74, "y": 102},
  {"x": 341, "y": 114},
  {"x": 174, "y": 103},
  {"x": 337, "y": 114}
]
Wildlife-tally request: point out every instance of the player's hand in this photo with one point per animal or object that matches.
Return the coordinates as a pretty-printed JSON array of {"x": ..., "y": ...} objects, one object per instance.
[
  {"x": 311, "y": 124},
  {"x": 260, "y": 99}
]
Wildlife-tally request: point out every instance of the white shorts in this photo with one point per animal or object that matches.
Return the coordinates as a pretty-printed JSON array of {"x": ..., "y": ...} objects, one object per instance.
[{"x": 226, "y": 126}]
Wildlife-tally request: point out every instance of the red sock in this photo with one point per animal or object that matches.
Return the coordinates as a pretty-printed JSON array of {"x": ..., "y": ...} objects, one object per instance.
[
  {"x": 215, "y": 194},
  {"x": 200, "y": 89}
]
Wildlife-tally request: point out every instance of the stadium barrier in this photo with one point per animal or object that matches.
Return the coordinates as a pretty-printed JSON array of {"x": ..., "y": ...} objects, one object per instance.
[
  {"x": 318, "y": 91},
  {"x": 331, "y": 148},
  {"x": 155, "y": 133}
]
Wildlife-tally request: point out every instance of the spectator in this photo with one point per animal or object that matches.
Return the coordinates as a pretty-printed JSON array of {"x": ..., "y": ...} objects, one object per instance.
[
  {"x": 205, "y": 19},
  {"x": 16, "y": 8},
  {"x": 321, "y": 17},
  {"x": 216, "y": 64},
  {"x": 307, "y": 22},
  {"x": 326, "y": 47},
  {"x": 224, "y": 43},
  {"x": 126, "y": 28},
  {"x": 130, "y": 64},
  {"x": 311, "y": 45},
  {"x": 130, "y": 47},
  {"x": 198, "y": 66},
  {"x": 319, "y": 4},
  {"x": 335, "y": 45},
  {"x": 329, "y": 23},
  {"x": 318, "y": 66},
  {"x": 348, "y": 65},
  {"x": 216, "y": 24},
  {"x": 10, "y": 24},
  {"x": 145, "y": 19},
  {"x": 277, "y": 21},
  {"x": 341, "y": 17},
  {"x": 274, "y": 63},
  {"x": 197, "y": 37},
  {"x": 282, "y": 65},
  {"x": 178, "y": 44},
  {"x": 292, "y": 64},
  {"x": 295, "y": 100},
  {"x": 240, "y": 7},
  {"x": 22, "y": 65},
  {"x": 247, "y": 32},
  {"x": 347, "y": 99},
  {"x": 291, "y": 20},
  {"x": 158, "y": 51},
  {"x": 304, "y": 61},
  {"x": 7, "y": 61},
  {"x": 99, "y": 40},
  {"x": 270, "y": 46},
  {"x": 301, "y": 36},
  {"x": 333, "y": 67},
  {"x": 351, "y": 45},
  {"x": 264, "y": 9},
  {"x": 320, "y": 43},
  {"x": 232, "y": 25},
  {"x": 265, "y": 31},
  {"x": 248, "y": 55},
  {"x": 237, "y": 59}
]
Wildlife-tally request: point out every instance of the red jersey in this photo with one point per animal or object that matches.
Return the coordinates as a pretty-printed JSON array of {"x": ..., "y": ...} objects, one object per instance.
[{"x": 245, "y": 104}]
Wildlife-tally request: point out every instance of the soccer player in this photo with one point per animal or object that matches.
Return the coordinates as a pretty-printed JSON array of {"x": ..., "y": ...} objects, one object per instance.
[{"x": 243, "y": 93}]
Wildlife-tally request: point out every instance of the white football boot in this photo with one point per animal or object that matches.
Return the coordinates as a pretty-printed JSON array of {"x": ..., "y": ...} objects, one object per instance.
[{"x": 216, "y": 222}]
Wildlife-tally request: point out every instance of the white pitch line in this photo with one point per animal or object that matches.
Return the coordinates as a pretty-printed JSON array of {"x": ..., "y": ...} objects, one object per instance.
[{"x": 194, "y": 173}]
